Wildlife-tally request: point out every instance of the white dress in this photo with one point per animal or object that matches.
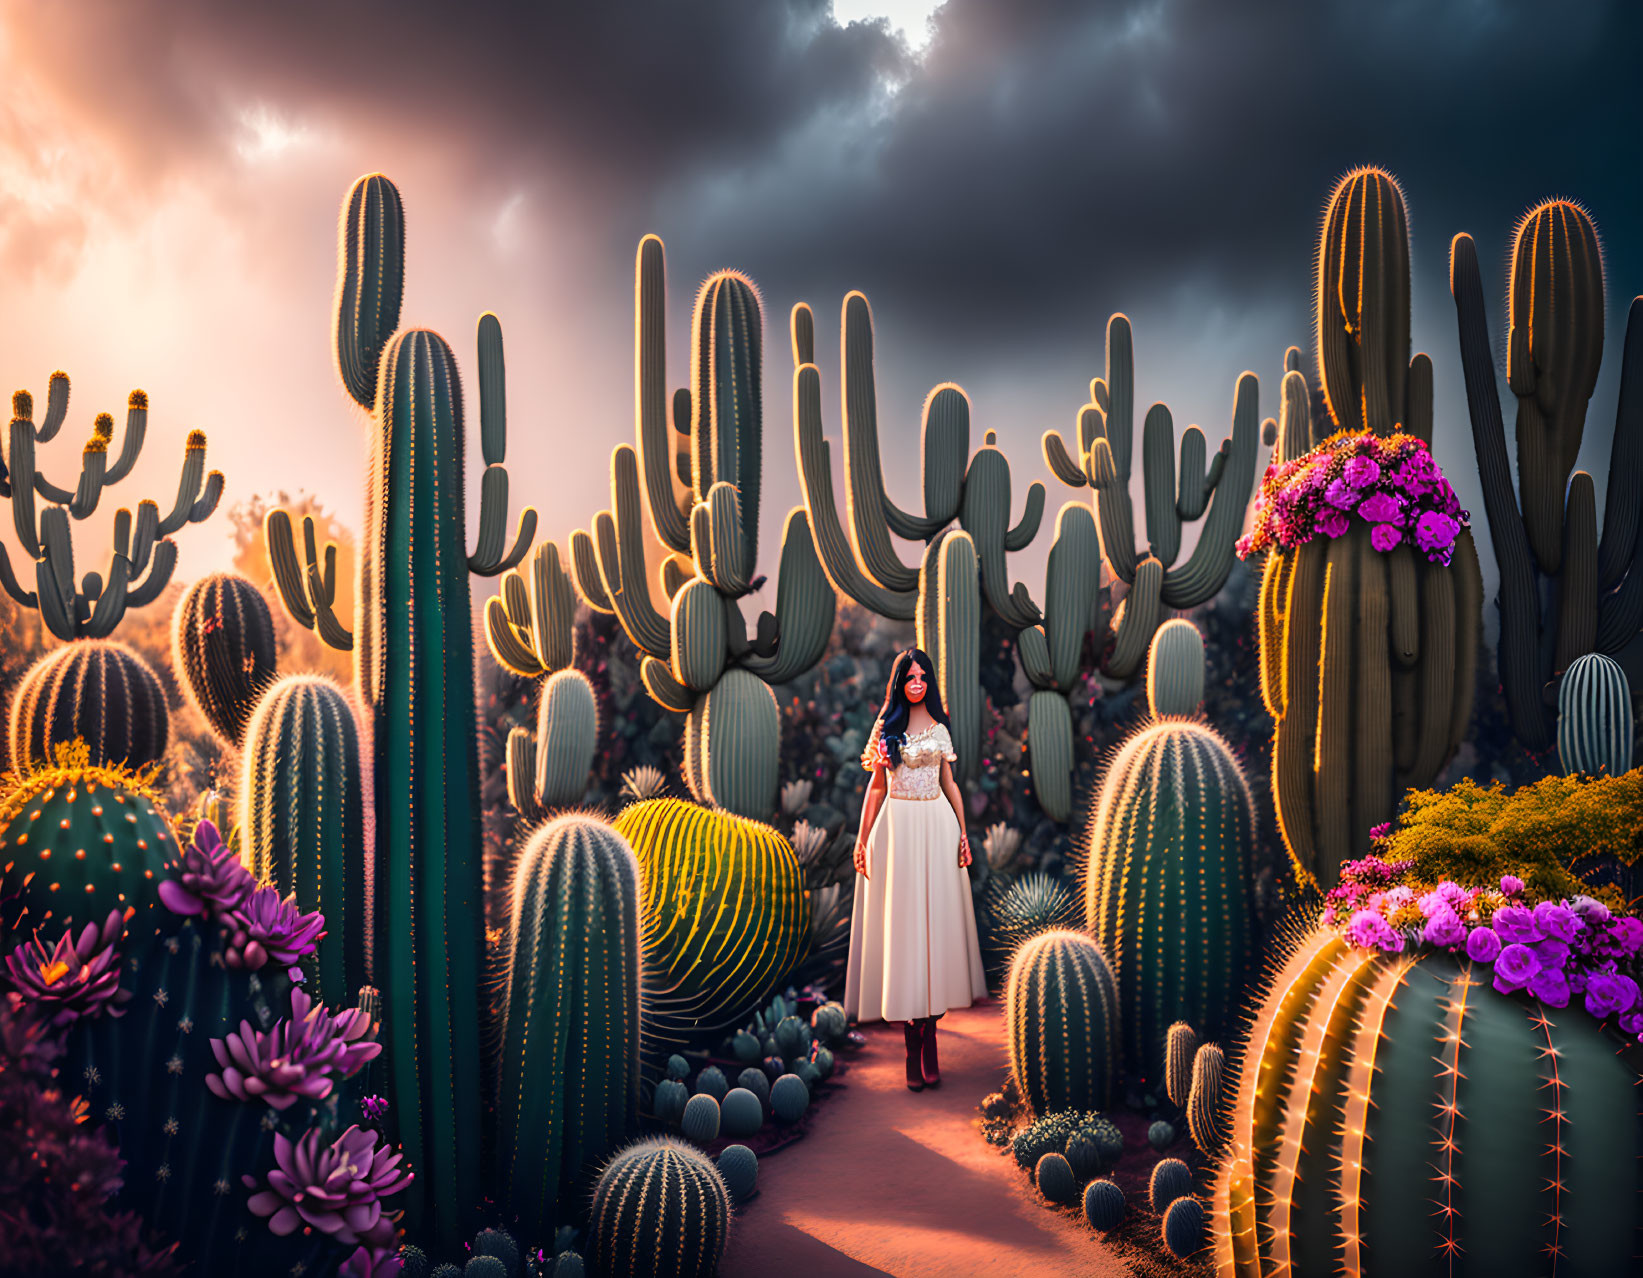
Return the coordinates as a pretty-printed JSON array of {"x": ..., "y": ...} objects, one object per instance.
[{"x": 913, "y": 945}]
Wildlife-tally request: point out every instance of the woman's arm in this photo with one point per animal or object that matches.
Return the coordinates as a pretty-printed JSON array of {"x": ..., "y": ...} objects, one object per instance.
[
  {"x": 870, "y": 805},
  {"x": 955, "y": 796}
]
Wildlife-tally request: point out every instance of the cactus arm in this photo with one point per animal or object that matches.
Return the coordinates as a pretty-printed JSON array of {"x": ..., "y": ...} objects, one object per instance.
[
  {"x": 1417, "y": 419},
  {"x": 13, "y": 587},
  {"x": 1294, "y": 418},
  {"x": 306, "y": 586},
  {"x": 290, "y": 578},
  {"x": 504, "y": 639},
  {"x": 946, "y": 436},
  {"x": 56, "y": 408},
  {"x": 131, "y": 445},
  {"x": 650, "y": 398},
  {"x": 20, "y": 457},
  {"x": 620, "y": 540},
  {"x": 1577, "y": 582},
  {"x": 870, "y": 509},
  {"x": 54, "y": 574},
  {"x": 161, "y": 563},
  {"x": 585, "y": 572},
  {"x": 144, "y": 535},
  {"x": 664, "y": 689},
  {"x": 927, "y": 624},
  {"x": 1194, "y": 485},
  {"x": 1520, "y": 624},
  {"x": 1032, "y": 515},
  {"x": 1071, "y": 582},
  {"x": 521, "y": 769},
  {"x": 93, "y": 471},
  {"x": 804, "y": 606},
  {"x": 816, "y": 485},
  {"x": 370, "y": 282},
  {"x": 188, "y": 484},
  {"x": 111, "y": 599},
  {"x": 1205, "y": 572},
  {"x": 1617, "y": 552},
  {"x": 552, "y": 615},
  {"x": 723, "y": 556},
  {"x": 1060, "y": 461},
  {"x": 1119, "y": 392},
  {"x": 487, "y": 559},
  {"x": 1136, "y": 620},
  {"x": 1113, "y": 510},
  {"x": 1034, "y": 650},
  {"x": 986, "y": 511},
  {"x": 322, "y": 589},
  {"x": 210, "y": 495},
  {"x": 675, "y": 570},
  {"x": 1158, "y": 484}
]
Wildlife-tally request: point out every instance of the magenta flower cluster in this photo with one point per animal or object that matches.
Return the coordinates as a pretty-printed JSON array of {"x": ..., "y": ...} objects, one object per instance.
[
  {"x": 335, "y": 1189},
  {"x": 296, "y": 1060},
  {"x": 210, "y": 881},
  {"x": 75, "y": 978},
  {"x": 1390, "y": 483},
  {"x": 1556, "y": 951}
]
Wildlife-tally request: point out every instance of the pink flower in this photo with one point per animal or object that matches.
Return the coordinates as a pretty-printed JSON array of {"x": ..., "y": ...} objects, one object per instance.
[
  {"x": 1369, "y": 931},
  {"x": 1333, "y": 524},
  {"x": 1361, "y": 472},
  {"x": 1510, "y": 885},
  {"x": 1608, "y": 994},
  {"x": 1627, "y": 933},
  {"x": 1340, "y": 496},
  {"x": 1382, "y": 508},
  {"x": 294, "y": 1060},
  {"x": 1435, "y": 531},
  {"x": 1444, "y": 929},
  {"x": 1556, "y": 920},
  {"x": 210, "y": 881},
  {"x": 1482, "y": 946},
  {"x": 1384, "y": 537},
  {"x": 1550, "y": 986},
  {"x": 1514, "y": 967},
  {"x": 74, "y": 979},
  {"x": 269, "y": 930},
  {"x": 336, "y": 1189},
  {"x": 1516, "y": 925}
]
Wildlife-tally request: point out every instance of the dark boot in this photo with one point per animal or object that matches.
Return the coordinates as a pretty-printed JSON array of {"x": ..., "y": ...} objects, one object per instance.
[
  {"x": 914, "y": 1040},
  {"x": 929, "y": 1067}
]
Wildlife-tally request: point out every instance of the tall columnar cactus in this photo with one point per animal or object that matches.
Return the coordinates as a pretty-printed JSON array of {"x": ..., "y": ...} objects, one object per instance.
[
  {"x": 143, "y": 556},
  {"x": 1594, "y": 723},
  {"x": 1398, "y": 1116},
  {"x": 222, "y": 646},
  {"x": 1554, "y": 347},
  {"x": 301, "y": 824},
  {"x": 949, "y": 631},
  {"x": 1061, "y": 1012},
  {"x": 1168, "y": 890},
  {"x": 725, "y": 910},
  {"x": 1367, "y": 658},
  {"x": 413, "y": 668},
  {"x": 698, "y": 653},
  {"x": 660, "y": 1210},
  {"x": 97, "y": 691},
  {"x": 568, "y": 1088}
]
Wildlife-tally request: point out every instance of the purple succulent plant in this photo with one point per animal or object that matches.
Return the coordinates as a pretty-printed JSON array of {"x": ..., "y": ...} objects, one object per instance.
[
  {"x": 266, "y": 929},
  {"x": 296, "y": 1060},
  {"x": 210, "y": 880},
  {"x": 335, "y": 1189},
  {"x": 73, "y": 979}
]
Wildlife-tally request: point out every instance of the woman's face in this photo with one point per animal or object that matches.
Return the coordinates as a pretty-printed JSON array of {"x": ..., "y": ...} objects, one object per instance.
[{"x": 915, "y": 687}]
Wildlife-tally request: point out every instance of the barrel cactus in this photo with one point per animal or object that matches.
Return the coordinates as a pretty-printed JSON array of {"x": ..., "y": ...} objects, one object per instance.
[
  {"x": 98, "y": 691},
  {"x": 660, "y": 1210},
  {"x": 1594, "y": 722},
  {"x": 1103, "y": 1205},
  {"x": 568, "y": 1087},
  {"x": 1168, "y": 891},
  {"x": 302, "y": 826},
  {"x": 1183, "y": 1227},
  {"x": 739, "y": 1165},
  {"x": 789, "y": 1098},
  {"x": 670, "y": 1101},
  {"x": 726, "y": 915},
  {"x": 1376, "y": 1086},
  {"x": 700, "y": 1120},
  {"x": 222, "y": 648},
  {"x": 741, "y": 1113},
  {"x": 1061, "y": 1011},
  {"x": 1171, "y": 1179},
  {"x": 1054, "y": 1178}
]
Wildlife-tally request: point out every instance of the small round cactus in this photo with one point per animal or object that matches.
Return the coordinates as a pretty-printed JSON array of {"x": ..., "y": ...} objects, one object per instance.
[
  {"x": 1054, "y": 1177},
  {"x": 742, "y": 1113},
  {"x": 757, "y": 1082},
  {"x": 1161, "y": 1135},
  {"x": 1184, "y": 1227},
  {"x": 789, "y": 1098},
  {"x": 774, "y": 1067},
  {"x": 792, "y": 1038},
  {"x": 711, "y": 1082},
  {"x": 446, "y": 1271},
  {"x": 678, "y": 1068},
  {"x": 1103, "y": 1205},
  {"x": 413, "y": 1262},
  {"x": 485, "y": 1267},
  {"x": 822, "y": 1058},
  {"x": 739, "y": 1165},
  {"x": 828, "y": 1023},
  {"x": 499, "y": 1243},
  {"x": 807, "y": 1071},
  {"x": 745, "y": 1047},
  {"x": 568, "y": 1264},
  {"x": 1171, "y": 1179},
  {"x": 1086, "y": 1155},
  {"x": 670, "y": 1100},
  {"x": 700, "y": 1122},
  {"x": 660, "y": 1207}
]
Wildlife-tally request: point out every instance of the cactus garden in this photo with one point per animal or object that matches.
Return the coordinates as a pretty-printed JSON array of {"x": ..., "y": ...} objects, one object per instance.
[{"x": 431, "y": 840}]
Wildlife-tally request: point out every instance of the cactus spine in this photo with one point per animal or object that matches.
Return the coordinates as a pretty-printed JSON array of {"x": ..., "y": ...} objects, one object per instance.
[
  {"x": 222, "y": 645},
  {"x": 660, "y": 1210},
  {"x": 1594, "y": 725},
  {"x": 1167, "y": 888},
  {"x": 1554, "y": 347},
  {"x": 1337, "y": 1156},
  {"x": 97, "y": 691},
  {"x": 1061, "y": 1011},
  {"x": 568, "y": 1089},
  {"x": 1368, "y": 659},
  {"x": 302, "y": 827}
]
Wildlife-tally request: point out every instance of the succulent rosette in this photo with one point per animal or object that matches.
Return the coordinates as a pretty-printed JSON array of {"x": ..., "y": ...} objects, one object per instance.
[
  {"x": 299, "y": 1059},
  {"x": 210, "y": 881},
  {"x": 1388, "y": 482},
  {"x": 335, "y": 1189},
  {"x": 264, "y": 928},
  {"x": 75, "y": 978}
]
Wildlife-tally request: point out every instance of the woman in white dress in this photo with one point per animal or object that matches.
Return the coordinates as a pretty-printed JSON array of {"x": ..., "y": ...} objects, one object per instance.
[{"x": 913, "y": 947}]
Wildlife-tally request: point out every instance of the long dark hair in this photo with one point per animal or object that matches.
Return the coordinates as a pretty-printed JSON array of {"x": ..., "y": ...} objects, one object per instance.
[{"x": 898, "y": 710}]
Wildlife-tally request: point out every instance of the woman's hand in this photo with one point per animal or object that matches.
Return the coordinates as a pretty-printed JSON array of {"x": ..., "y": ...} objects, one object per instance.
[
  {"x": 860, "y": 858},
  {"x": 963, "y": 849}
]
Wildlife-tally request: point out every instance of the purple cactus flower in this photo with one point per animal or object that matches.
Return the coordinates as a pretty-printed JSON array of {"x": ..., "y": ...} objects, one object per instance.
[
  {"x": 1626, "y": 933},
  {"x": 1556, "y": 920},
  {"x": 1510, "y": 885},
  {"x": 1333, "y": 524},
  {"x": 373, "y": 1262},
  {"x": 1435, "y": 531},
  {"x": 1444, "y": 929},
  {"x": 1382, "y": 508},
  {"x": 1360, "y": 472},
  {"x": 375, "y": 1107},
  {"x": 1516, "y": 925},
  {"x": 1369, "y": 931},
  {"x": 1340, "y": 496},
  {"x": 73, "y": 979},
  {"x": 1514, "y": 967},
  {"x": 1551, "y": 953},
  {"x": 1591, "y": 910},
  {"x": 1384, "y": 537},
  {"x": 269, "y": 930},
  {"x": 210, "y": 879},
  {"x": 1550, "y": 986},
  {"x": 336, "y": 1189},
  {"x": 295, "y": 1060},
  {"x": 1632, "y": 1022},
  {"x": 1483, "y": 946},
  {"x": 1610, "y": 993}
]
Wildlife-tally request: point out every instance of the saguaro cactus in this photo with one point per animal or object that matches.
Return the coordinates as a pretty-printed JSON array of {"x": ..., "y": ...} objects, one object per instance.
[
  {"x": 222, "y": 645},
  {"x": 413, "y": 668},
  {"x": 1368, "y": 658},
  {"x": 143, "y": 557},
  {"x": 97, "y": 691},
  {"x": 1554, "y": 347},
  {"x": 1394, "y": 1114}
]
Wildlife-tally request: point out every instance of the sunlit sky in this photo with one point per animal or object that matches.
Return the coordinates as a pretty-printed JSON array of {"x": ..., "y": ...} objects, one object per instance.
[{"x": 998, "y": 179}]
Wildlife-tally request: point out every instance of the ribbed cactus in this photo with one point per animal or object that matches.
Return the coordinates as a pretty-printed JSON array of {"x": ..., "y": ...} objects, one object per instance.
[
  {"x": 1554, "y": 348},
  {"x": 1180, "y": 1045},
  {"x": 725, "y": 910},
  {"x": 700, "y": 643},
  {"x": 1594, "y": 717},
  {"x": 222, "y": 647},
  {"x": 1206, "y": 1099},
  {"x": 660, "y": 1210},
  {"x": 1061, "y": 1011},
  {"x": 549, "y": 768},
  {"x": 302, "y": 826},
  {"x": 568, "y": 1088},
  {"x": 1168, "y": 890},
  {"x": 1175, "y": 670},
  {"x": 1396, "y": 1116},
  {"x": 413, "y": 667},
  {"x": 94, "y": 690},
  {"x": 1368, "y": 659},
  {"x": 92, "y": 606},
  {"x": 949, "y": 629}
]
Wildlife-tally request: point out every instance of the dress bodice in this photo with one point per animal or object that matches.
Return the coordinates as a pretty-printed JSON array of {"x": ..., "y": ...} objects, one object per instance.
[{"x": 919, "y": 776}]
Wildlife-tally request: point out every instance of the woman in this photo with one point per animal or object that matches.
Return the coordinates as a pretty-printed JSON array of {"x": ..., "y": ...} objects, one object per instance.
[{"x": 913, "y": 947}]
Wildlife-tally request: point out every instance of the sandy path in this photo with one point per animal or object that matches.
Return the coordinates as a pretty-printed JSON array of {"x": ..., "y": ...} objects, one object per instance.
[{"x": 892, "y": 1182}]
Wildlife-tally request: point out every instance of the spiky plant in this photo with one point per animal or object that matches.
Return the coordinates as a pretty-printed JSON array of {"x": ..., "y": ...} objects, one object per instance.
[
  {"x": 1061, "y": 1012},
  {"x": 96, "y": 691},
  {"x": 1029, "y": 905},
  {"x": 222, "y": 647},
  {"x": 644, "y": 782},
  {"x": 661, "y": 1209}
]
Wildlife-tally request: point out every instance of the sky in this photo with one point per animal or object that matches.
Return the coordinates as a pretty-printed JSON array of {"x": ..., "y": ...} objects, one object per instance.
[{"x": 999, "y": 178}]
